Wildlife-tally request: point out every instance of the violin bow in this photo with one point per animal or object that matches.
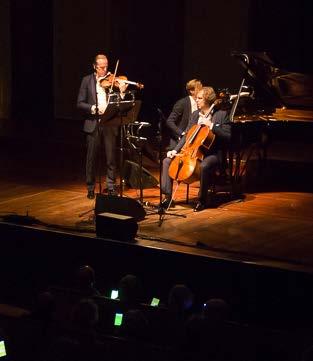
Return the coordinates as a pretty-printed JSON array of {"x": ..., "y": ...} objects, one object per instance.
[{"x": 114, "y": 75}]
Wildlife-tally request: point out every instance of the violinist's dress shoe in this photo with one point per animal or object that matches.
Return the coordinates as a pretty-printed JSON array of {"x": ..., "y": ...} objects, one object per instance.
[
  {"x": 91, "y": 194},
  {"x": 199, "y": 207},
  {"x": 112, "y": 192}
]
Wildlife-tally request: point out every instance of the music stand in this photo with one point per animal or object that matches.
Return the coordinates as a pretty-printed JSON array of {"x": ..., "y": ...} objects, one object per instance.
[
  {"x": 110, "y": 111},
  {"x": 137, "y": 142},
  {"x": 118, "y": 113},
  {"x": 121, "y": 112}
]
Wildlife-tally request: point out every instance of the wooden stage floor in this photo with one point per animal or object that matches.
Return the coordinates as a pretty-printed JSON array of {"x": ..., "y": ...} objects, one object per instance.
[{"x": 272, "y": 229}]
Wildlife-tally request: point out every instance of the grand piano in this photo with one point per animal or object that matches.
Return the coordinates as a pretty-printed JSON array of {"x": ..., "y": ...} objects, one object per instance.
[{"x": 272, "y": 106}]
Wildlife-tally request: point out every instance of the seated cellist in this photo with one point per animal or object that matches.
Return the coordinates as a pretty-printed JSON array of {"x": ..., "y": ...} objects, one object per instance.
[{"x": 217, "y": 120}]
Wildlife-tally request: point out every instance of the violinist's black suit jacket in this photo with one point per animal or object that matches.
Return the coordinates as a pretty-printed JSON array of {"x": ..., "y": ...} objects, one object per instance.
[{"x": 85, "y": 100}]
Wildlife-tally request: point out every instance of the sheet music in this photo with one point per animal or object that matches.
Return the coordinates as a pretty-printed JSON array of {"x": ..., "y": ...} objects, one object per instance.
[{"x": 235, "y": 104}]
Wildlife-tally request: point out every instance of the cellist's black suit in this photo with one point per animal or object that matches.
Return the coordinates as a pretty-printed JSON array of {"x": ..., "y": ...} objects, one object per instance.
[{"x": 222, "y": 130}]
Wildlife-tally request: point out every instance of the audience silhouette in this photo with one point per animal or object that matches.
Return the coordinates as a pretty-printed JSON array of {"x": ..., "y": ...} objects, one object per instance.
[
  {"x": 181, "y": 328},
  {"x": 130, "y": 291},
  {"x": 86, "y": 281}
]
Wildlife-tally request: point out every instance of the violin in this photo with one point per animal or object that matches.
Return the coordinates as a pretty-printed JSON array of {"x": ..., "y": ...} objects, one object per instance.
[{"x": 110, "y": 80}]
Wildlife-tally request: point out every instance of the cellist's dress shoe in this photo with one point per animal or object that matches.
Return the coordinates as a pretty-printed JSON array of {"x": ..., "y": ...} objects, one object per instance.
[
  {"x": 166, "y": 202},
  {"x": 199, "y": 207},
  {"x": 91, "y": 194}
]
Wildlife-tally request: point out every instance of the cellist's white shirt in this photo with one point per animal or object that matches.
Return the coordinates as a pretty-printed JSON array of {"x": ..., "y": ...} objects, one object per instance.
[{"x": 206, "y": 119}]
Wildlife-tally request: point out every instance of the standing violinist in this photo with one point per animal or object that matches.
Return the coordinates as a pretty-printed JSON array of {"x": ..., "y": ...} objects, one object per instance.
[
  {"x": 93, "y": 100},
  {"x": 218, "y": 122},
  {"x": 181, "y": 112}
]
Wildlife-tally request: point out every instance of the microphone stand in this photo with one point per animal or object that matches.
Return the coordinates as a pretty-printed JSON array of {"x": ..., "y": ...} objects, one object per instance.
[
  {"x": 125, "y": 114},
  {"x": 162, "y": 212},
  {"x": 100, "y": 143},
  {"x": 136, "y": 141},
  {"x": 121, "y": 147}
]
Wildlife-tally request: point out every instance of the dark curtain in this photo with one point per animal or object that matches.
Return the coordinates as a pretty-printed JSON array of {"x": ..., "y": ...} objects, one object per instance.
[
  {"x": 32, "y": 60},
  {"x": 285, "y": 31},
  {"x": 161, "y": 44}
]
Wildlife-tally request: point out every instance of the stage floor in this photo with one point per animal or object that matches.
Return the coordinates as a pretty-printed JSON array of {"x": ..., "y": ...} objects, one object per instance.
[
  {"x": 271, "y": 229},
  {"x": 272, "y": 226}
]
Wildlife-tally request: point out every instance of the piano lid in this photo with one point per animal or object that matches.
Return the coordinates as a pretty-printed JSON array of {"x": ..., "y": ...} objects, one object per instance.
[{"x": 277, "y": 88}]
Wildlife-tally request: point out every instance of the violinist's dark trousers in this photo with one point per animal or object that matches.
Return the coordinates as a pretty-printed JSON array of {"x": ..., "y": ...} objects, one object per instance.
[
  {"x": 93, "y": 140},
  {"x": 207, "y": 168}
]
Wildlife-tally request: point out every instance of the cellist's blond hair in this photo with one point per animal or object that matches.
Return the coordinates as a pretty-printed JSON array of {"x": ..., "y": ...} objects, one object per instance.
[
  {"x": 209, "y": 95},
  {"x": 193, "y": 84}
]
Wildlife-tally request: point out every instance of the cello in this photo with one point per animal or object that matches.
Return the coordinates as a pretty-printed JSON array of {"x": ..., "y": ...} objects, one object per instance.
[{"x": 185, "y": 166}]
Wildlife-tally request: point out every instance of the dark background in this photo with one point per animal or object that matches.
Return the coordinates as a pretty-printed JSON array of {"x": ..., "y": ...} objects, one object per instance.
[{"x": 161, "y": 44}]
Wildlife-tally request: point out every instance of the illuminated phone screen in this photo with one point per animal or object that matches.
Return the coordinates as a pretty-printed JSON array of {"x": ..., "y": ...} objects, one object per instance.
[
  {"x": 114, "y": 294},
  {"x": 118, "y": 319},
  {"x": 2, "y": 349},
  {"x": 155, "y": 301}
]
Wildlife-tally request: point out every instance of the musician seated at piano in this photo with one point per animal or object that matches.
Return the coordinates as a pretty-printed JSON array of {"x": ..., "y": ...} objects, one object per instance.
[{"x": 217, "y": 121}]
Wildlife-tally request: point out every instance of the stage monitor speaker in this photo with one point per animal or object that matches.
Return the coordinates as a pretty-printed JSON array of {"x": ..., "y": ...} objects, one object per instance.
[
  {"x": 119, "y": 205},
  {"x": 116, "y": 227},
  {"x": 131, "y": 174}
]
